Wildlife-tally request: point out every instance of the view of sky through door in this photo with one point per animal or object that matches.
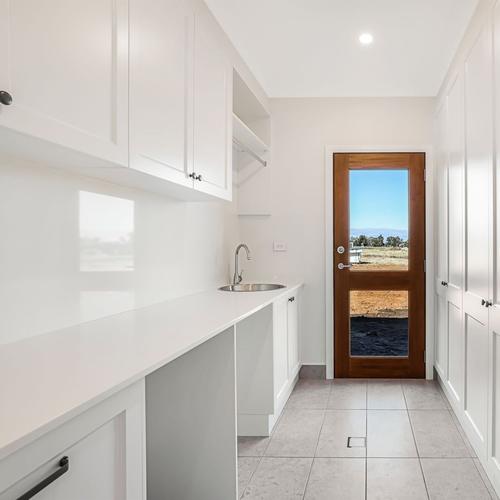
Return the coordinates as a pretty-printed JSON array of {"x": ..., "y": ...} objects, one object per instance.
[{"x": 378, "y": 219}]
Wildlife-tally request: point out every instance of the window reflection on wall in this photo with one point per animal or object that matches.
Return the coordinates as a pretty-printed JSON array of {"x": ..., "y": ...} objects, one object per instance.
[{"x": 106, "y": 233}]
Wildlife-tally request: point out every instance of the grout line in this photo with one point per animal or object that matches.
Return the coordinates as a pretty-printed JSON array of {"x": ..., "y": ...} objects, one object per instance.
[
  {"x": 416, "y": 446},
  {"x": 315, "y": 449},
  {"x": 482, "y": 478}
]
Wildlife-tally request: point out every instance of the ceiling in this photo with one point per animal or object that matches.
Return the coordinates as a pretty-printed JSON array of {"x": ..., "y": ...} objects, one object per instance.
[{"x": 310, "y": 48}]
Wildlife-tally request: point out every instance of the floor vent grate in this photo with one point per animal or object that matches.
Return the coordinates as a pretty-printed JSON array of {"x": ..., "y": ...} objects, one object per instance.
[{"x": 356, "y": 442}]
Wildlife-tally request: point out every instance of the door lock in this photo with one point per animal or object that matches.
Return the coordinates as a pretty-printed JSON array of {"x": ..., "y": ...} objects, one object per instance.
[{"x": 340, "y": 249}]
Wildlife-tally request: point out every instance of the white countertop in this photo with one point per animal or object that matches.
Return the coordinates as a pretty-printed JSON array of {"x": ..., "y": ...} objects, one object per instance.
[{"x": 50, "y": 378}]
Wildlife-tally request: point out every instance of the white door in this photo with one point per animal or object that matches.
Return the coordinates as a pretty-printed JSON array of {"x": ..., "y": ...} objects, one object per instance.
[
  {"x": 478, "y": 185},
  {"x": 212, "y": 109},
  {"x": 442, "y": 244},
  {"x": 455, "y": 225},
  {"x": 293, "y": 335},
  {"x": 65, "y": 63},
  {"x": 161, "y": 59}
]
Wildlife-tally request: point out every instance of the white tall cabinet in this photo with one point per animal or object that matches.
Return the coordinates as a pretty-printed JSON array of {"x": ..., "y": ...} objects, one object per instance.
[{"x": 467, "y": 284}]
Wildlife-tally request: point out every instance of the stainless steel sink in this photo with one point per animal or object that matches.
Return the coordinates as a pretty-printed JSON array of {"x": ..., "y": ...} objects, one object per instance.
[{"x": 251, "y": 287}]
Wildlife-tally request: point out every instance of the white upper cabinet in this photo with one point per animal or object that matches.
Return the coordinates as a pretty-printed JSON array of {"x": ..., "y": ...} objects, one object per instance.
[
  {"x": 212, "y": 109},
  {"x": 161, "y": 61},
  {"x": 143, "y": 85},
  {"x": 65, "y": 64}
]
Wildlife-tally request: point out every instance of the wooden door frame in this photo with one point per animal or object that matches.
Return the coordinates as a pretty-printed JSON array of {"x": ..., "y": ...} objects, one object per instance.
[{"x": 330, "y": 150}]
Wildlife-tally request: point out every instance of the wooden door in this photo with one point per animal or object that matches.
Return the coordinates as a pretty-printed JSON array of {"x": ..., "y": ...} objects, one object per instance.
[
  {"x": 379, "y": 277},
  {"x": 161, "y": 67},
  {"x": 66, "y": 66}
]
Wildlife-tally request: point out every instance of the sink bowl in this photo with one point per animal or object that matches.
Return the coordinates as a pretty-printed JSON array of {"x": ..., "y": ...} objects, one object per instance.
[{"x": 251, "y": 287}]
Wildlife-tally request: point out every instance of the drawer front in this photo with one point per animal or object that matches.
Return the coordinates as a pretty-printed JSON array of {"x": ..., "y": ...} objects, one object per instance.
[{"x": 104, "y": 450}]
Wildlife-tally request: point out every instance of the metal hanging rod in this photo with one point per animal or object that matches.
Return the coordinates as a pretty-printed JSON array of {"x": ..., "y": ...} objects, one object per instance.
[{"x": 244, "y": 149}]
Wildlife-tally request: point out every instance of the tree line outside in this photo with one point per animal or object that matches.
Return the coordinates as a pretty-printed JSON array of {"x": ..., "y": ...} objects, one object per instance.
[{"x": 378, "y": 241}]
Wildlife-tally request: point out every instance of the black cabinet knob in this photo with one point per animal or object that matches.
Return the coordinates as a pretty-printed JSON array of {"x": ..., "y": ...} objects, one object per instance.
[
  {"x": 483, "y": 302},
  {"x": 5, "y": 98},
  {"x": 192, "y": 175},
  {"x": 198, "y": 177}
]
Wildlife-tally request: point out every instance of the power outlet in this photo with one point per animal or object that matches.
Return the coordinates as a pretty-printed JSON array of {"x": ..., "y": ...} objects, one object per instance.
[{"x": 279, "y": 246}]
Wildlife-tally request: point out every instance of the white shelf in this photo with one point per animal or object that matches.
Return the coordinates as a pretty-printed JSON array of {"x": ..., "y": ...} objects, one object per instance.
[{"x": 244, "y": 135}]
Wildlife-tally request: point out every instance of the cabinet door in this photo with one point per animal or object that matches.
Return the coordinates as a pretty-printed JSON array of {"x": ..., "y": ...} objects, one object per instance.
[
  {"x": 280, "y": 348},
  {"x": 478, "y": 184},
  {"x": 105, "y": 452},
  {"x": 442, "y": 244},
  {"x": 161, "y": 57},
  {"x": 456, "y": 194},
  {"x": 293, "y": 336},
  {"x": 65, "y": 63},
  {"x": 212, "y": 109}
]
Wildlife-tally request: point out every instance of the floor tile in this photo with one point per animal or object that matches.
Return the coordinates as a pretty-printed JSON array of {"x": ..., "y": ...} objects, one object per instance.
[
  {"x": 436, "y": 434},
  {"x": 453, "y": 479},
  {"x": 336, "y": 478},
  {"x": 387, "y": 395},
  {"x": 252, "y": 446},
  {"x": 312, "y": 394},
  {"x": 279, "y": 479},
  {"x": 390, "y": 434},
  {"x": 347, "y": 395},
  {"x": 296, "y": 434},
  {"x": 485, "y": 479},
  {"x": 461, "y": 431},
  {"x": 423, "y": 395},
  {"x": 246, "y": 468},
  {"x": 395, "y": 479},
  {"x": 337, "y": 427}
]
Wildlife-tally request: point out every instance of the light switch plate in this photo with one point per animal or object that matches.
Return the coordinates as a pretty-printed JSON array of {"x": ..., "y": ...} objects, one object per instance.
[{"x": 279, "y": 246}]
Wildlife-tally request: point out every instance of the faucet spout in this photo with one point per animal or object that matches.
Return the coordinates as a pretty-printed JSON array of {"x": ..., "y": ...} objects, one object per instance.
[{"x": 238, "y": 276}]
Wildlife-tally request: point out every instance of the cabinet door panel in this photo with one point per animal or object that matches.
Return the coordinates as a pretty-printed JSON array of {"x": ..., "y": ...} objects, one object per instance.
[
  {"x": 442, "y": 337},
  {"x": 161, "y": 56},
  {"x": 476, "y": 373},
  {"x": 293, "y": 337},
  {"x": 479, "y": 140},
  {"x": 456, "y": 174},
  {"x": 280, "y": 347},
  {"x": 212, "y": 109},
  {"x": 66, "y": 66},
  {"x": 442, "y": 186},
  {"x": 455, "y": 351}
]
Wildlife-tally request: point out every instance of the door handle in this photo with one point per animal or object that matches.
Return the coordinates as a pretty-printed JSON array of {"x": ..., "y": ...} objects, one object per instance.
[
  {"x": 63, "y": 468},
  {"x": 344, "y": 266}
]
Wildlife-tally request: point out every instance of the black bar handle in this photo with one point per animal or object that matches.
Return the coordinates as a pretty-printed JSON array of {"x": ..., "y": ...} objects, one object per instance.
[{"x": 63, "y": 468}]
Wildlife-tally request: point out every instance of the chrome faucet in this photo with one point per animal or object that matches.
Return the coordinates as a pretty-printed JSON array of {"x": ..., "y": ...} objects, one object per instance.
[{"x": 238, "y": 276}]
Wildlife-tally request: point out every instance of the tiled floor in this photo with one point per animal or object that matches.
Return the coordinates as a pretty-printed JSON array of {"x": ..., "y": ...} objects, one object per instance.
[{"x": 414, "y": 447}]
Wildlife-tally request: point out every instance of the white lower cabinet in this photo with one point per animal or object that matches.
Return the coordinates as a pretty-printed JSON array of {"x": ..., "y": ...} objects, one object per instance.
[
  {"x": 286, "y": 348},
  {"x": 98, "y": 455}
]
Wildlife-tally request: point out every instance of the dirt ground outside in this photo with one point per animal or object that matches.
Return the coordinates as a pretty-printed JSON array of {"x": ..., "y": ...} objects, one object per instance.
[{"x": 380, "y": 303}]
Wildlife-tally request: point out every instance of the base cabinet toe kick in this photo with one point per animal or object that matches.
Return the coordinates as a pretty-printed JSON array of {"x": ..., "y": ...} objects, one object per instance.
[{"x": 172, "y": 434}]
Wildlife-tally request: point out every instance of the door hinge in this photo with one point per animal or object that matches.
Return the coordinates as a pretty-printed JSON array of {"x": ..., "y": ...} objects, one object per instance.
[
  {"x": 424, "y": 356},
  {"x": 425, "y": 175},
  {"x": 425, "y": 266}
]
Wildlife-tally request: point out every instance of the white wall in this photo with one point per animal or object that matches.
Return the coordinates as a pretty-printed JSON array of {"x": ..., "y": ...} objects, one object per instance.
[
  {"x": 301, "y": 128},
  {"x": 50, "y": 278}
]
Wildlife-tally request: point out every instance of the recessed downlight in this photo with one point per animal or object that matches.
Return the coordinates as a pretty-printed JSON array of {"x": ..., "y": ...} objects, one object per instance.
[{"x": 366, "y": 39}]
